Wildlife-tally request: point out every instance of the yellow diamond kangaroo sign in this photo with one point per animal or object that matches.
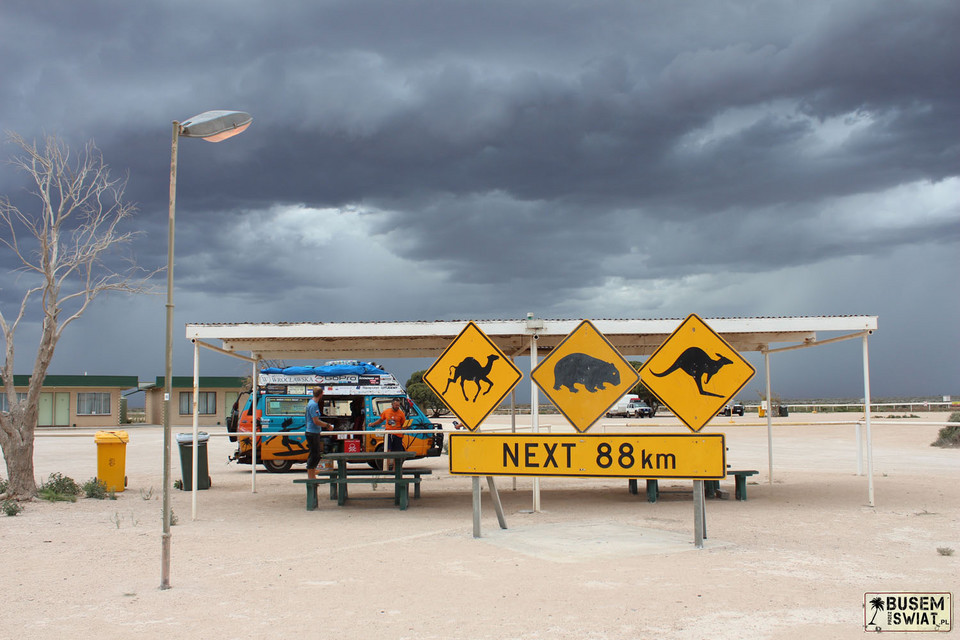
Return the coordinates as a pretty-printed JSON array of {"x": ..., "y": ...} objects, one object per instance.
[
  {"x": 695, "y": 372},
  {"x": 584, "y": 376},
  {"x": 472, "y": 376}
]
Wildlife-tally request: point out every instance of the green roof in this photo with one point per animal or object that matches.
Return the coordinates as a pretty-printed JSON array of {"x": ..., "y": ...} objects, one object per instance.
[
  {"x": 118, "y": 382},
  {"x": 186, "y": 382}
]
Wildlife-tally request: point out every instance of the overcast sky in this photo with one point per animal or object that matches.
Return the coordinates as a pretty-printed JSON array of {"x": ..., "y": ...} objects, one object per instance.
[{"x": 468, "y": 160}]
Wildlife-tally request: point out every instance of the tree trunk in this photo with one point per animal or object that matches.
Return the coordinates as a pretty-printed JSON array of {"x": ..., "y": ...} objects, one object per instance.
[{"x": 18, "y": 454}]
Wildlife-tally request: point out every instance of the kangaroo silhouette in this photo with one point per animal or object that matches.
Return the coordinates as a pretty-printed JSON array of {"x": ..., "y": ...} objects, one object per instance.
[
  {"x": 696, "y": 363},
  {"x": 470, "y": 369}
]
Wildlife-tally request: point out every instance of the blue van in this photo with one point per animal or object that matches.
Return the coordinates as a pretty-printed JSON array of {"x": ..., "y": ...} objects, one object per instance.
[{"x": 355, "y": 394}]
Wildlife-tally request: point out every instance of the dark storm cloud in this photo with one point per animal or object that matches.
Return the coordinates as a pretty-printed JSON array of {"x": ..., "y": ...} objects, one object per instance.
[{"x": 491, "y": 158}]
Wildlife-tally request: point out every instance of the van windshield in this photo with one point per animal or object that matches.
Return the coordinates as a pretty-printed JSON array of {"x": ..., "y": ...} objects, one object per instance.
[{"x": 285, "y": 406}]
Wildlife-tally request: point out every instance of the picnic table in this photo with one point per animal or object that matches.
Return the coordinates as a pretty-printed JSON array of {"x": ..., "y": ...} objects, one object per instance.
[
  {"x": 711, "y": 487},
  {"x": 343, "y": 478}
]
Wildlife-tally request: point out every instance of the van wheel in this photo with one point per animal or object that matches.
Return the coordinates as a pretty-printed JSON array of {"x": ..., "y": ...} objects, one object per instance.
[
  {"x": 277, "y": 466},
  {"x": 377, "y": 464}
]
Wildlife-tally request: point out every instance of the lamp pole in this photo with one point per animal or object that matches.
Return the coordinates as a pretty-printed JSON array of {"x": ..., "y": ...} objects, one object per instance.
[{"x": 212, "y": 126}]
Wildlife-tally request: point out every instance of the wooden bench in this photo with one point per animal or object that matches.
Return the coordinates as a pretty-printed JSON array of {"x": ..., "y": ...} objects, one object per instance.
[
  {"x": 740, "y": 480},
  {"x": 412, "y": 473},
  {"x": 653, "y": 488},
  {"x": 400, "y": 495},
  {"x": 711, "y": 487}
]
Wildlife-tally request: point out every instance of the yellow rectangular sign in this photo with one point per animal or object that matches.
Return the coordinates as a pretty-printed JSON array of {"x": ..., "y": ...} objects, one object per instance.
[{"x": 699, "y": 456}]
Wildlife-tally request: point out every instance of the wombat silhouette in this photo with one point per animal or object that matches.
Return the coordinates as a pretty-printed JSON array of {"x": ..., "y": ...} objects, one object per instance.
[
  {"x": 470, "y": 369},
  {"x": 580, "y": 368},
  {"x": 696, "y": 363}
]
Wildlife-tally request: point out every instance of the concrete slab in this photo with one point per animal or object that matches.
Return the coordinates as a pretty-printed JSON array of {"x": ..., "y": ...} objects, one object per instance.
[{"x": 583, "y": 541}]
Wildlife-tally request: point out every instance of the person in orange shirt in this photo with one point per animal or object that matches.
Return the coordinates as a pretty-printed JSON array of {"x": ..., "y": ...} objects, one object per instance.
[{"x": 393, "y": 418}]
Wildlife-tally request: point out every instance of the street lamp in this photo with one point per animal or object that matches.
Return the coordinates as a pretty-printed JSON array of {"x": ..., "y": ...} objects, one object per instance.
[{"x": 212, "y": 126}]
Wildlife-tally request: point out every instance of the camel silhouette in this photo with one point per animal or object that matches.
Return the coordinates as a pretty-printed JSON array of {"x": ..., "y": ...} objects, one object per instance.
[{"x": 470, "y": 369}]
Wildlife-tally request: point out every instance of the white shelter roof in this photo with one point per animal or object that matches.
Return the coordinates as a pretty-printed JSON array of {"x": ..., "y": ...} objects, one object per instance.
[{"x": 420, "y": 339}]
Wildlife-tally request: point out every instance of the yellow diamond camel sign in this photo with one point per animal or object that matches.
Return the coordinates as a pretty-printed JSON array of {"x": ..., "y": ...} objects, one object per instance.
[
  {"x": 472, "y": 376},
  {"x": 695, "y": 372}
]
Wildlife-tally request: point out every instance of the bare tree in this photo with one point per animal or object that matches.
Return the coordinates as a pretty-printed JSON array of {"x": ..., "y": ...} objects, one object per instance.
[{"x": 61, "y": 250}]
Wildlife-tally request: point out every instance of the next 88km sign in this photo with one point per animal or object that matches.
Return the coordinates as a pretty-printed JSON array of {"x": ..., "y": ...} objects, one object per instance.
[{"x": 587, "y": 455}]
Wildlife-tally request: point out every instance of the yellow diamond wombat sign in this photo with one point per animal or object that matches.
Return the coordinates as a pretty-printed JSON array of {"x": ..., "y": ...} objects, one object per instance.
[{"x": 584, "y": 376}]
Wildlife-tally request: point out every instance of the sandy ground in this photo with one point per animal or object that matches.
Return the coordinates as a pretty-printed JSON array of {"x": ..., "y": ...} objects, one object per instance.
[{"x": 793, "y": 561}]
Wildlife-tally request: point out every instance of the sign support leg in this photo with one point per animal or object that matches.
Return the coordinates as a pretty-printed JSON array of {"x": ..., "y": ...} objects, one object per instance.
[
  {"x": 496, "y": 502},
  {"x": 699, "y": 517},
  {"x": 476, "y": 506}
]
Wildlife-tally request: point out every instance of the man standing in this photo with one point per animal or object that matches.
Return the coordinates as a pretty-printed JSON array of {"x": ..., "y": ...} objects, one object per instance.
[
  {"x": 394, "y": 418},
  {"x": 314, "y": 426}
]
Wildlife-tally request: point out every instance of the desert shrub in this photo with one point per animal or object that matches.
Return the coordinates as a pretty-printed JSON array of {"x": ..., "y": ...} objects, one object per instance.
[
  {"x": 11, "y": 507},
  {"x": 96, "y": 489},
  {"x": 60, "y": 488},
  {"x": 3, "y": 486},
  {"x": 949, "y": 436}
]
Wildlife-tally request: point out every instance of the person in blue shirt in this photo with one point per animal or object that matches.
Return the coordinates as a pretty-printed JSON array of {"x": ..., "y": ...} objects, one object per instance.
[{"x": 314, "y": 427}]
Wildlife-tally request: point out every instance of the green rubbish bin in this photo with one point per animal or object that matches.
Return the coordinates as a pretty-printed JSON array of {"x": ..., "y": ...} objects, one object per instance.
[{"x": 185, "y": 442}]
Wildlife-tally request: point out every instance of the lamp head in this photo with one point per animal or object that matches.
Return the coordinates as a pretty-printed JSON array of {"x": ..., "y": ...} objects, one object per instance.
[{"x": 214, "y": 126}]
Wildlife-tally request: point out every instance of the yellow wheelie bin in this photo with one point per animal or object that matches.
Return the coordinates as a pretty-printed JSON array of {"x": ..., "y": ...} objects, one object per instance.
[{"x": 112, "y": 459}]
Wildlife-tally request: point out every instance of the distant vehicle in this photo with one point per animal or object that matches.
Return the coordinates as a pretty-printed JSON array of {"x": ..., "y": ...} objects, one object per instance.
[
  {"x": 640, "y": 410},
  {"x": 619, "y": 410},
  {"x": 732, "y": 410}
]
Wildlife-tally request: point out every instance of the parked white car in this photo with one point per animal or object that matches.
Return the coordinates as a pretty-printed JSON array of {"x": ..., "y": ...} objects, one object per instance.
[
  {"x": 620, "y": 410},
  {"x": 639, "y": 410}
]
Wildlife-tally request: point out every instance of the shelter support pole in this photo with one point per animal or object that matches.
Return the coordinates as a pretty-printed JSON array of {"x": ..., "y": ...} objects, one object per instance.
[
  {"x": 223, "y": 351},
  {"x": 866, "y": 384},
  {"x": 513, "y": 422},
  {"x": 859, "y": 436},
  {"x": 534, "y": 415},
  {"x": 196, "y": 424},
  {"x": 254, "y": 422},
  {"x": 766, "y": 364},
  {"x": 866, "y": 414}
]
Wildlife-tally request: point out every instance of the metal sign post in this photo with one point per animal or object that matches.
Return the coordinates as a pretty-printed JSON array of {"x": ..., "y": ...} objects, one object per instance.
[
  {"x": 497, "y": 506},
  {"x": 687, "y": 456},
  {"x": 699, "y": 515}
]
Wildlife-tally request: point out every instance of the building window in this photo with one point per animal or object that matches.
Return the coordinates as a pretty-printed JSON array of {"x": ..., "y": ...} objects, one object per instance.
[
  {"x": 5, "y": 406},
  {"x": 93, "y": 404},
  {"x": 206, "y": 403}
]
